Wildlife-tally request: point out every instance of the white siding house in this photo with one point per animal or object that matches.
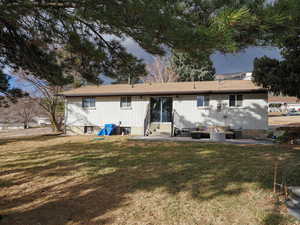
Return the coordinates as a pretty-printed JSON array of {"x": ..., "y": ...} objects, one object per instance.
[{"x": 160, "y": 107}]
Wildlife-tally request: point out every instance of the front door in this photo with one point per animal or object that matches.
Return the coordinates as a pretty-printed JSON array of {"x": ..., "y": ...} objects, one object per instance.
[{"x": 161, "y": 109}]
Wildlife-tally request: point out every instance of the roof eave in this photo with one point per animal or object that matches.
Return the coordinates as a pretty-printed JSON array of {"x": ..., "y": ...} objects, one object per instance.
[{"x": 164, "y": 93}]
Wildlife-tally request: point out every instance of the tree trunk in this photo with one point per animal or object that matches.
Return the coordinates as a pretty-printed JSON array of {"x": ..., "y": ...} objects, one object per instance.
[{"x": 56, "y": 126}]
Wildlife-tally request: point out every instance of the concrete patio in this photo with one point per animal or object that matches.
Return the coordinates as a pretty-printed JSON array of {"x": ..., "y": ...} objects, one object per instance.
[{"x": 204, "y": 140}]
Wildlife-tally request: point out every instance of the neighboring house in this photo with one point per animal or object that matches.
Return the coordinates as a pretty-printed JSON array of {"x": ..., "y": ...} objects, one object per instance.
[
  {"x": 234, "y": 76},
  {"x": 11, "y": 125},
  {"x": 16, "y": 124},
  {"x": 283, "y": 103},
  {"x": 162, "y": 106},
  {"x": 42, "y": 121}
]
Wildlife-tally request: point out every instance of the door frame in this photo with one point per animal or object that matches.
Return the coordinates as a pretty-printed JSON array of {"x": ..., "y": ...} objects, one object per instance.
[{"x": 156, "y": 122}]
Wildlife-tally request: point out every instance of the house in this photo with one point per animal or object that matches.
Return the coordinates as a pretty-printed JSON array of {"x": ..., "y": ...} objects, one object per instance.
[
  {"x": 283, "y": 103},
  {"x": 160, "y": 107},
  {"x": 42, "y": 121},
  {"x": 11, "y": 125},
  {"x": 234, "y": 76}
]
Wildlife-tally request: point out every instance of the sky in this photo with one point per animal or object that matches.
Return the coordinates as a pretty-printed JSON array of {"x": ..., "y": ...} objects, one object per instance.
[{"x": 224, "y": 63}]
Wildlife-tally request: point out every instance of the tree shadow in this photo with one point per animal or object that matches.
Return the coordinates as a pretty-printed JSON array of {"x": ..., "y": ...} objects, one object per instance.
[{"x": 111, "y": 171}]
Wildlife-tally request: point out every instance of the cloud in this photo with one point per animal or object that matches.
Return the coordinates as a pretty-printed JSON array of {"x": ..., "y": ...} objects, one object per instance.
[
  {"x": 242, "y": 61},
  {"x": 224, "y": 63}
]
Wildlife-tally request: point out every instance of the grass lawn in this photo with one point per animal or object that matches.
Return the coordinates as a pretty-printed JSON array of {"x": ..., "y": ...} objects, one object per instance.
[{"x": 77, "y": 180}]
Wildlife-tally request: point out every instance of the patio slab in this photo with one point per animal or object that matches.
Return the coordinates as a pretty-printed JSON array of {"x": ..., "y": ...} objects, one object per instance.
[{"x": 189, "y": 139}]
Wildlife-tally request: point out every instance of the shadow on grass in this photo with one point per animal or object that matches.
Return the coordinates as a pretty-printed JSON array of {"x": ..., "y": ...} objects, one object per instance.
[{"x": 113, "y": 170}]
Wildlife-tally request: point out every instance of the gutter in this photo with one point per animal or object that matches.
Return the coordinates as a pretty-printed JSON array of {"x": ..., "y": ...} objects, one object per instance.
[{"x": 164, "y": 93}]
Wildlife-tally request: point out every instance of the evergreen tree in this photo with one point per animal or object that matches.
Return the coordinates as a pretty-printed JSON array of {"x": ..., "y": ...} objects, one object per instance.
[
  {"x": 92, "y": 31},
  {"x": 282, "y": 76},
  {"x": 7, "y": 93}
]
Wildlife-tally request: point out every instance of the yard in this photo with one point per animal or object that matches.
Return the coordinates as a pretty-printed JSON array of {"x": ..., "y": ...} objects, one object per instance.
[
  {"x": 280, "y": 120},
  {"x": 78, "y": 180}
]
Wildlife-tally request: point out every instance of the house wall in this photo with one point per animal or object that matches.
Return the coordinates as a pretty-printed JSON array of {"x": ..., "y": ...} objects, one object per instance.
[
  {"x": 107, "y": 110},
  {"x": 252, "y": 116}
]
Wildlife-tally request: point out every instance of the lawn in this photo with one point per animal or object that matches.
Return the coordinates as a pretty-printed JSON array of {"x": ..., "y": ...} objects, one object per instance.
[{"x": 77, "y": 180}]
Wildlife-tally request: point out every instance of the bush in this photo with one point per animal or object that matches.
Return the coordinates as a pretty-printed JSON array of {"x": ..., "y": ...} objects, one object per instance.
[{"x": 290, "y": 134}]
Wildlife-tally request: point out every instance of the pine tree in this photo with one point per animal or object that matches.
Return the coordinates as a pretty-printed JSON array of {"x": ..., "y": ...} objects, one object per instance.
[
  {"x": 92, "y": 32},
  {"x": 282, "y": 76}
]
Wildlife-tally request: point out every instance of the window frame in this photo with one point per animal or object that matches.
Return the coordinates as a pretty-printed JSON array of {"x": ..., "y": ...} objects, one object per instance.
[
  {"x": 238, "y": 102},
  {"x": 206, "y": 101},
  {"x": 89, "y": 103},
  {"x": 128, "y": 101},
  {"x": 88, "y": 129}
]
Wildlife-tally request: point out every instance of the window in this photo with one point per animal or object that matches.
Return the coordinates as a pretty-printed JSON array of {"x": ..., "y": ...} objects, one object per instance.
[
  {"x": 88, "y": 103},
  {"x": 88, "y": 129},
  {"x": 203, "y": 101},
  {"x": 125, "y": 102},
  {"x": 235, "y": 100}
]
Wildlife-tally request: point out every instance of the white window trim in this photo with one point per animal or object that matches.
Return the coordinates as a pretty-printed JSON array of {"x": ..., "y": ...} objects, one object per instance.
[
  {"x": 203, "y": 107},
  {"x": 236, "y": 107},
  {"x": 89, "y": 107},
  {"x": 126, "y": 107}
]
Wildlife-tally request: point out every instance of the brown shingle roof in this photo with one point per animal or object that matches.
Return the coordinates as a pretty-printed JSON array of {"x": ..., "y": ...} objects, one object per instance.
[{"x": 167, "y": 88}]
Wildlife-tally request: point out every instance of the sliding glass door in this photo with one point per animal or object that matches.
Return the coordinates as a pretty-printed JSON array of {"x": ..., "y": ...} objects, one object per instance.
[{"x": 161, "y": 109}]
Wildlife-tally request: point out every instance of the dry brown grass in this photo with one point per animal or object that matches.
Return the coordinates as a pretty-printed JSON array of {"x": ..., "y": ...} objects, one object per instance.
[
  {"x": 284, "y": 120},
  {"x": 77, "y": 180}
]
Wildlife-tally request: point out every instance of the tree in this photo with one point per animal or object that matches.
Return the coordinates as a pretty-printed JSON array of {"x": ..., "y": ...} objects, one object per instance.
[
  {"x": 282, "y": 76},
  {"x": 160, "y": 71},
  {"x": 31, "y": 30},
  {"x": 22, "y": 111},
  {"x": 47, "y": 97},
  {"x": 189, "y": 69},
  {"x": 7, "y": 93}
]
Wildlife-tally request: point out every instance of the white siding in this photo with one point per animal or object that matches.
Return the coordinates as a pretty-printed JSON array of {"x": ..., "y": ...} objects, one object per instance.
[
  {"x": 252, "y": 115},
  {"x": 107, "y": 110}
]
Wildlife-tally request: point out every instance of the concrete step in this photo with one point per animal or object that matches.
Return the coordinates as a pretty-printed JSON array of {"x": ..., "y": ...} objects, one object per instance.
[
  {"x": 164, "y": 134},
  {"x": 160, "y": 129}
]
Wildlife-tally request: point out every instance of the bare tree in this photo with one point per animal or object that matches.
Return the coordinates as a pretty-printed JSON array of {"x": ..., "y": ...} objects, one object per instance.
[
  {"x": 46, "y": 96},
  {"x": 22, "y": 111},
  {"x": 160, "y": 71}
]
